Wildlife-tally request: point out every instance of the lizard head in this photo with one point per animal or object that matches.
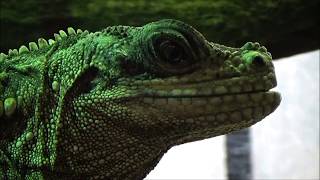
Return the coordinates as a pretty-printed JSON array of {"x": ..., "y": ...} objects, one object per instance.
[
  {"x": 183, "y": 88},
  {"x": 149, "y": 88}
]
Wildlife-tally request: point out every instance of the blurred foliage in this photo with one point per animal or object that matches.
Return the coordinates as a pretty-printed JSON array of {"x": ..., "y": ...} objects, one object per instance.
[
  {"x": 30, "y": 11},
  {"x": 231, "y": 22}
]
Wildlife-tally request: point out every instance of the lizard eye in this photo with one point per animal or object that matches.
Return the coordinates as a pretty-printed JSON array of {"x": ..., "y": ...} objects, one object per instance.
[{"x": 172, "y": 52}]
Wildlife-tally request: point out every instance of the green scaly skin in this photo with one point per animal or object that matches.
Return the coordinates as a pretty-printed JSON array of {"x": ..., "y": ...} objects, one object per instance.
[{"x": 109, "y": 104}]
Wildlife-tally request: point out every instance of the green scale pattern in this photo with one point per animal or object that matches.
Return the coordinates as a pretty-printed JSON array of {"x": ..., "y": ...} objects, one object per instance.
[{"x": 109, "y": 104}]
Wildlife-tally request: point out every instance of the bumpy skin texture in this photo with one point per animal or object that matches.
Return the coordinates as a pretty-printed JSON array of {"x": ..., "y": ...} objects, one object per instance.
[{"x": 109, "y": 104}]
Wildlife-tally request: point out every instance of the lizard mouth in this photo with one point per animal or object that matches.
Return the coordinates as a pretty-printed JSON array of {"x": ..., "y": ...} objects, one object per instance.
[{"x": 231, "y": 100}]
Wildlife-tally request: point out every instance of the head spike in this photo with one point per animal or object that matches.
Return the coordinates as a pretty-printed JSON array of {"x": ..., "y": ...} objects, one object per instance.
[
  {"x": 71, "y": 31},
  {"x": 42, "y": 43},
  {"x": 262, "y": 49},
  {"x": 79, "y": 31},
  {"x": 51, "y": 41},
  {"x": 10, "y": 52},
  {"x": 63, "y": 34},
  {"x": 256, "y": 45},
  {"x": 85, "y": 32},
  {"x": 57, "y": 37},
  {"x": 33, "y": 46},
  {"x": 247, "y": 46},
  {"x": 23, "y": 49},
  {"x": 13, "y": 52},
  {"x": 2, "y": 56}
]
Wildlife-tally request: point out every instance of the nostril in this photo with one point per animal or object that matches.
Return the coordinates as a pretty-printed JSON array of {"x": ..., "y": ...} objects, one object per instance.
[{"x": 258, "y": 61}]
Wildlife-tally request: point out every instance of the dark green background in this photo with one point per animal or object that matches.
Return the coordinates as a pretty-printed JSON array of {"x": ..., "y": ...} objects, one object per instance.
[{"x": 284, "y": 27}]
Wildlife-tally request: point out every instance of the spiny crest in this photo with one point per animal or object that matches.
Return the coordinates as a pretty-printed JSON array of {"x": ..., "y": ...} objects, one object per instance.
[{"x": 42, "y": 43}]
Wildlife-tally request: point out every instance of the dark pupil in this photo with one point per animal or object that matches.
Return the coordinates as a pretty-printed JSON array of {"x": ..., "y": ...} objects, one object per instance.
[{"x": 171, "y": 52}]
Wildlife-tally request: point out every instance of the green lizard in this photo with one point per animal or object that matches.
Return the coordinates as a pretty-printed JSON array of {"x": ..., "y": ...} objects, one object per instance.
[{"x": 109, "y": 104}]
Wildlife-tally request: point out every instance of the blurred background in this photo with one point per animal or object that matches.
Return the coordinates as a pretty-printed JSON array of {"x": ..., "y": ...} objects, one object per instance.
[{"x": 283, "y": 146}]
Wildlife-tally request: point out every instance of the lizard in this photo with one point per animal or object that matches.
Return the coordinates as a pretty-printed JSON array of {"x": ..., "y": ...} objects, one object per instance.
[{"x": 109, "y": 104}]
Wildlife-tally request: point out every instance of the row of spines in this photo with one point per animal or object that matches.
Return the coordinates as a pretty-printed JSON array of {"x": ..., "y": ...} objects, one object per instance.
[{"x": 42, "y": 43}]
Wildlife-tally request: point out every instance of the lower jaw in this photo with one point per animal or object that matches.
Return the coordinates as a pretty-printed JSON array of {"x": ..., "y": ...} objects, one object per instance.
[
  {"x": 249, "y": 114},
  {"x": 199, "y": 122},
  {"x": 259, "y": 105},
  {"x": 210, "y": 125},
  {"x": 208, "y": 132}
]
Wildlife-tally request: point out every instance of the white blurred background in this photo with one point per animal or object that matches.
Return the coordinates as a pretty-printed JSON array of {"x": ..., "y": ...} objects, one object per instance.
[{"x": 285, "y": 145}]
